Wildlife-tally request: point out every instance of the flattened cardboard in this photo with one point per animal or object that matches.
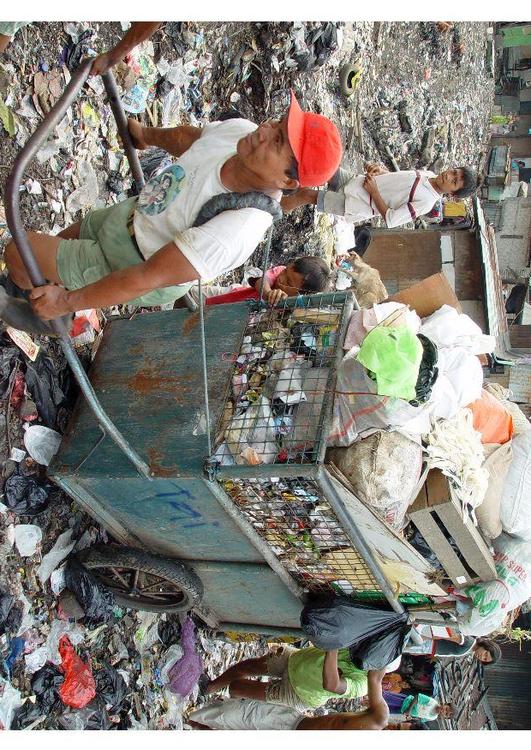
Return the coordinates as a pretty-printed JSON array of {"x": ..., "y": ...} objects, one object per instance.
[{"x": 428, "y": 295}]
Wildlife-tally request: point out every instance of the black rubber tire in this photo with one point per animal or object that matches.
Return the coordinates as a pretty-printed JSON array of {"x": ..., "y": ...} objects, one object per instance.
[
  {"x": 346, "y": 73},
  {"x": 104, "y": 556}
]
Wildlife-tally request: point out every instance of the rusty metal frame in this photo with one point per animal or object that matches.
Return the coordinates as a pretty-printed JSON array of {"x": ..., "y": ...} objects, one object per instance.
[{"x": 20, "y": 237}]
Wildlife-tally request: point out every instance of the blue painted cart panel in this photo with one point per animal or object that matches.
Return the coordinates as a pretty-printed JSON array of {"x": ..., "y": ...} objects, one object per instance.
[
  {"x": 176, "y": 517},
  {"x": 249, "y": 594}
]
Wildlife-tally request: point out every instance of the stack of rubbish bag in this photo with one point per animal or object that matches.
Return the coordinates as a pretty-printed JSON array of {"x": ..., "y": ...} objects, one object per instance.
[{"x": 279, "y": 383}]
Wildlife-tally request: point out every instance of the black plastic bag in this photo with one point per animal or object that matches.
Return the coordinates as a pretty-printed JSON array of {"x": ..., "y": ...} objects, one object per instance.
[
  {"x": 8, "y": 357},
  {"x": 44, "y": 382},
  {"x": 26, "y": 495},
  {"x": 26, "y": 715},
  {"x": 375, "y": 637},
  {"x": 10, "y": 613},
  {"x": 169, "y": 632},
  {"x": 378, "y": 651},
  {"x": 111, "y": 688},
  {"x": 96, "y": 601},
  {"x": 45, "y": 683}
]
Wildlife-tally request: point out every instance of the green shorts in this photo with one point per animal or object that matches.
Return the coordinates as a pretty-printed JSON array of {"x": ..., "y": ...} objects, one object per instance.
[{"x": 104, "y": 246}]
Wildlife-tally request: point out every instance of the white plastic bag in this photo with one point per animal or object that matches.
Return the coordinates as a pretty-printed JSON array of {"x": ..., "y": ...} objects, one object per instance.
[
  {"x": 10, "y": 700},
  {"x": 515, "y": 506},
  {"x": 42, "y": 443},
  {"x": 75, "y": 633},
  {"x": 251, "y": 435},
  {"x": 492, "y": 600},
  {"x": 448, "y": 328},
  {"x": 61, "y": 549},
  {"x": 27, "y": 538}
]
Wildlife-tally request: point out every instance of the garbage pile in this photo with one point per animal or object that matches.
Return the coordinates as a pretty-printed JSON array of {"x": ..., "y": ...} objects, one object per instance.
[
  {"x": 406, "y": 410},
  {"x": 280, "y": 377}
]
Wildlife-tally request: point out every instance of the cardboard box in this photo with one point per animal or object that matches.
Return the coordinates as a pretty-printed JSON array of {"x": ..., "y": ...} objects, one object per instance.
[
  {"x": 428, "y": 295},
  {"x": 436, "y": 511}
]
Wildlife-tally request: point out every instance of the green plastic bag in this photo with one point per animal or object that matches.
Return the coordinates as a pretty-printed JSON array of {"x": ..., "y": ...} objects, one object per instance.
[{"x": 394, "y": 356}]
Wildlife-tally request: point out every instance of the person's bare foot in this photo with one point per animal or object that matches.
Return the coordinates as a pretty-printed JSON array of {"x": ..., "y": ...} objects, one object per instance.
[{"x": 136, "y": 131}]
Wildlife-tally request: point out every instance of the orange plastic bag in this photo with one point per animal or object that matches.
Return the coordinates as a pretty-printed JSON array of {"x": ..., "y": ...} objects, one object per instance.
[{"x": 491, "y": 419}]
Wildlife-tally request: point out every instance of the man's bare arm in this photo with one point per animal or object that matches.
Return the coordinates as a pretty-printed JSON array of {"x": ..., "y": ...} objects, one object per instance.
[
  {"x": 138, "y": 33},
  {"x": 167, "y": 267},
  {"x": 332, "y": 680}
]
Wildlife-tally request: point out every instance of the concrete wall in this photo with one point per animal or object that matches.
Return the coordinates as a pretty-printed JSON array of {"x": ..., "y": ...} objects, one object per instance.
[{"x": 512, "y": 236}]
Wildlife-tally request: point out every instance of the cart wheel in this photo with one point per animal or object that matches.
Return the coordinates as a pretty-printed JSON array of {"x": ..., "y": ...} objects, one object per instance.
[
  {"x": 144, "y": 581},
  {"x": 349, "y": 77}
]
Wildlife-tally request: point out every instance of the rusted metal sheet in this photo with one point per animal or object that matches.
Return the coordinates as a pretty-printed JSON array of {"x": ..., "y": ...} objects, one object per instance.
[{"x": 147, "y": 374}]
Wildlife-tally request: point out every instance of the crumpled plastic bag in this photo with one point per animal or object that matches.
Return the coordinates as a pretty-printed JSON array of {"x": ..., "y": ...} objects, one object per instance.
[
  {"x": 48, "y": 388},
  {"x": 447, "y": 328},
  {"x": 96, "y": 601},
  {"x": 45, "y": 684},
  {"x": 185, "y": 673},
  {"x": 111, "y": 688},
  {"x": 61, "y": 549},
  {"x": 10, "y": 613},
  {"x": 10, "y": 700},
  {"x": 79, "y": 686},
  {"x": 27, "y": 539},
  {"x": 26, "y": 495},
  {"x": 251, "y": 435}
]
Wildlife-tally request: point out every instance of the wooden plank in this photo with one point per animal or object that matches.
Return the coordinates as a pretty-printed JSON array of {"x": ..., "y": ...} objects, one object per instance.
[
  {"x": 437, "y": 542},
  {"x": 469, "y": 541}
]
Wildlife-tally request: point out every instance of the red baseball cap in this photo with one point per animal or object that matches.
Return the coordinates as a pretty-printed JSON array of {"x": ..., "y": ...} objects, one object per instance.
[{"x": 316, "y": 143}]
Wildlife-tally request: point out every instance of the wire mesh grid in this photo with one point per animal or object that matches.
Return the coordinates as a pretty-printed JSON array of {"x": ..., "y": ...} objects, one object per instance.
[
  {"x": 280, "y": 382},
  {"x": 302, "y": 530}
]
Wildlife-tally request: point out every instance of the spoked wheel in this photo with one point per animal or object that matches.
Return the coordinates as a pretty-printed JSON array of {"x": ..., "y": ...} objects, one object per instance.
[{"x": 144, "y": 581}]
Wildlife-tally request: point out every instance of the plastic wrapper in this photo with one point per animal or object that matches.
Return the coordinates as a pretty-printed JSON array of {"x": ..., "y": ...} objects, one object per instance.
[
  {"x": 59, "y": 628},
  {"x": 253, "y": 432},
  {"x": 96, "y": 601},
  {"x": 79, "y": 687}
]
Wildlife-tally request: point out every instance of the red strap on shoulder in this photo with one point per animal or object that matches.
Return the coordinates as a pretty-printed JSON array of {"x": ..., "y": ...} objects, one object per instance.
[{"x": 412, "y": 195}]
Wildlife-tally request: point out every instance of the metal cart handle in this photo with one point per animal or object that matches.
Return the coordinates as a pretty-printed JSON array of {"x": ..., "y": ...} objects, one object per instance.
[{"x": 14, "y": 222}]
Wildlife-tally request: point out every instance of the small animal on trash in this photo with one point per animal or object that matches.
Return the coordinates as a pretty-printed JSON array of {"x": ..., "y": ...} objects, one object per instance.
[{"x": 366, "y": 282}]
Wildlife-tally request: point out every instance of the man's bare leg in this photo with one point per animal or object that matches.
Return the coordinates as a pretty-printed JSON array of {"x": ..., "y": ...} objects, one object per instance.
[
  {"x": 45, "y": 249},
  {"x": 248, "y": 689},
  {"x": 246, "y": 668}
]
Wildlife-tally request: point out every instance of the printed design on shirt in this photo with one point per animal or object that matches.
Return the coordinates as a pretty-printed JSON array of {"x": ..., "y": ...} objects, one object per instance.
[{"x": 161, "y": 190}]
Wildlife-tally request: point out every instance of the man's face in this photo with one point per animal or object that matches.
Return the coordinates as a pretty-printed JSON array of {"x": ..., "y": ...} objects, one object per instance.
[
  {"x": 451, "y": 180},
  {"x": 266, "y": 153},
  {"x": 483, "y": 655}
]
